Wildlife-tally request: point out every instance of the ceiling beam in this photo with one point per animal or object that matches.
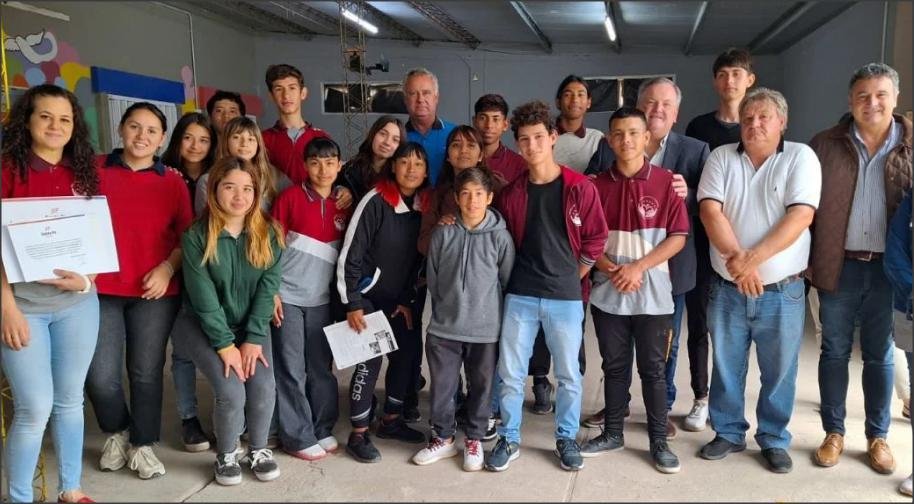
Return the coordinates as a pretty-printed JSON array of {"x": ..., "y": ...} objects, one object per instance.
[
  {"x": 819, "y": 24},
  {"x": 528, "y": 20},
  {"x": 780, "y": 24},
  {"x": 265, "y": 20},
  {"x": 611, "y": 12},
  {"x": 440, "y": 18},
  {"x": 388, "y": 22},
  {"x": 315, "y": 17},
  {"x": 699, "y": 18}
]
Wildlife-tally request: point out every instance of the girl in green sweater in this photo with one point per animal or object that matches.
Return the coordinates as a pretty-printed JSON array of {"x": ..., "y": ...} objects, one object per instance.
[{"x": 231, "y": 273}]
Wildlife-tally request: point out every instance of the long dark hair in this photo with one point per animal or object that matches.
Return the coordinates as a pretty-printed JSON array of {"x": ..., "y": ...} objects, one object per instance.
[
  {"x": 172, "y": 156},
  {"x": 363, "y": 158},
  {"x": 17, "y": 144},
  {"x": 446, "y": 178}
]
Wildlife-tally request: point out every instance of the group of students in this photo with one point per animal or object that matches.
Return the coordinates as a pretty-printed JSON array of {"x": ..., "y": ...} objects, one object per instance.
[{"x": 276, "y": 237}]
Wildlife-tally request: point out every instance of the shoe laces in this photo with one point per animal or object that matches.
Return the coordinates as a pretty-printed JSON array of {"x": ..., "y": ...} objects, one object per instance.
[
  {"x": 261, "y": 455},
  {"x": 696, "y": 407},
  {"x": 436, "y": 443},
  {"x": 145, "y": 454},
  {"x": 660, "y": 445},
  {"x": 472, "y": 447},
  {"x": 230, "y": 458},
  {"x": 568, "y": 447}
]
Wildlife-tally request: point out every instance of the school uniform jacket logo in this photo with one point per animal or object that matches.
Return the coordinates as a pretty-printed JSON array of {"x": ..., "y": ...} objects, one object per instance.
[
  {"x": 574, "y": 216},
  {"x": 648, "y": 207}
]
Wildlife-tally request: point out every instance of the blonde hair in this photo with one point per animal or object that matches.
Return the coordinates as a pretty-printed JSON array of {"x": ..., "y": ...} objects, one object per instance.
[
  {"x": 261, "y": 162},
  {"x": 257, "y": 223}
]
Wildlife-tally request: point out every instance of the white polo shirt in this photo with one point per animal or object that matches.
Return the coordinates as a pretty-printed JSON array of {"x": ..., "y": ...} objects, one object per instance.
[{"x": 754, "y": 201}]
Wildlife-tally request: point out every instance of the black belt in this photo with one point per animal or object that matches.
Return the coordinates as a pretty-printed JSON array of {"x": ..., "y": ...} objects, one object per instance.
[
  {"x": 862, "y": 255},
  {"x": 772, "y": 287}
]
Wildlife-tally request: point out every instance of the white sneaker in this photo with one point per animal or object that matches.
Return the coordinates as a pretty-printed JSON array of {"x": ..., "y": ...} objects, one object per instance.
[
  {"x": 905, "y": 486},
  {"x": 436, "y": 450},
  {"x": 329, "y": 444},
  {"x": 144, "y": 461},
  {"x": 473, "y": 458},
  {"x": 697, "y": 419},
  {"x": 114, "y": 454}
]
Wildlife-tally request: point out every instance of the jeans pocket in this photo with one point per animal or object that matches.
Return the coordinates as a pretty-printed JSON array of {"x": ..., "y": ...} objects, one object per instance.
[{"x": 794, "y": 291}]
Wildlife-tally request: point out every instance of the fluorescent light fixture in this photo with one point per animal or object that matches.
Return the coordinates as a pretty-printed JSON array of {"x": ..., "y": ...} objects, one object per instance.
[
  {"x": 370, "y": 28},
  {"x": 37, "y": 10},
  {"x": 610, "y": 28}
]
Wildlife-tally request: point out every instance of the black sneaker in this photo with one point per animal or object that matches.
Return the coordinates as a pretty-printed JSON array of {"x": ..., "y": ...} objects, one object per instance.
[
  {"x": 502, "y": 455},
  {"x": 719, "y": 447},
  {"x": 193, "y": 436},
  {"x": 227, "y": 469},
  {"x": 778, "y": 460},
  {"x": 569, "y": 454},
  {"x": 664, "y": 459},
  {"x": 542, "y": 397},
  {"x": 362, "y": 449},
  {"x": 604, "y": 443},
  {"x": 411, "y": 414},
  {"x": 262, "y": 464},
  {"x": 491, "y": 430},
  {"x": 397, "y": 429}
]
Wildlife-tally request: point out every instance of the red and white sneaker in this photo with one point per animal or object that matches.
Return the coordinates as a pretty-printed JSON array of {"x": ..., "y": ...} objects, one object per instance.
[
  {"x": 436, "y": 450},
  {"x": 473, "y": 458}
]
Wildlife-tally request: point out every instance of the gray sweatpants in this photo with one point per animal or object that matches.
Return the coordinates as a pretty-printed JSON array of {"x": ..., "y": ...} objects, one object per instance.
[
  {"x": 235, "y": 400},
  {"x": 445, "y": 358},
  {"x": 307, "y": 401}
]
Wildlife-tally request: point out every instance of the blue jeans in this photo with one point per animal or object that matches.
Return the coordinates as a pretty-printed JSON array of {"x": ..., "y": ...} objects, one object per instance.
[
  {"x": 863, "y": 294},
  {"x": 46, "y": 378},
  {"x": 774, "y": 322},
  {"x": 561, "y": 322},
  {"x": 678, "y": 310}
]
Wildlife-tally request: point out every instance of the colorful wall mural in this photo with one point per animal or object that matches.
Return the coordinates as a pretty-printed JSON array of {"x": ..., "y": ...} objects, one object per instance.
[{"x": 40, "y": 58}]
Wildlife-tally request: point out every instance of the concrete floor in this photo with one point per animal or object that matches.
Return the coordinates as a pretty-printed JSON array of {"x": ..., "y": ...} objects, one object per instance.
[{"x": 622, "y": 476}]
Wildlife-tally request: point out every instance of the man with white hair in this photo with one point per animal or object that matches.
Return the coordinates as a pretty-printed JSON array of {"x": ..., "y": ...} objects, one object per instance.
[
  {"x": 757, "y": 200},
  {"x": 866, "y": 167},
  {"x": 420, "y": 92},
  {"x": 659, "y": 98}
]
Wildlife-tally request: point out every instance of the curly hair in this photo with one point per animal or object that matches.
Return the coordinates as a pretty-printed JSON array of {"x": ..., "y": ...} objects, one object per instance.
[
  {"x": 17, "y": 144},
  {"x": 531, "y": 114}
]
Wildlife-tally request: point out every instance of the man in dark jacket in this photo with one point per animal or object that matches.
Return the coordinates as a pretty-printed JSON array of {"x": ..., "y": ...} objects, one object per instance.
[{"x": 866, "y": 167}]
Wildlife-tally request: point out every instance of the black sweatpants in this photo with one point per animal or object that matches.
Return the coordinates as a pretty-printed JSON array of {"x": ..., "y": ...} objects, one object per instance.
[
  {"x": 445, "y": 358},
  {"x": 649, "y": 336},
  {"x": 400, "y": 369}
]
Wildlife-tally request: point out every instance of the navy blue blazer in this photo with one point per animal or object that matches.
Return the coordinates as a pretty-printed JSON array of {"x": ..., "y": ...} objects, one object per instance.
[{"x": 685, "y": 156}]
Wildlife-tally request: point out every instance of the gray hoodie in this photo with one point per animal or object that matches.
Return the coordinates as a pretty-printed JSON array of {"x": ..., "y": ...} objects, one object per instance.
[{"x": 467, "y": 272}]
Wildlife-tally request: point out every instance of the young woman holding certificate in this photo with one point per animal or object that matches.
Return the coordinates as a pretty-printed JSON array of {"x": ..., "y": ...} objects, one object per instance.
[
  {"x": 49, "y": 328},
  {"x": 150, "y": 208}
]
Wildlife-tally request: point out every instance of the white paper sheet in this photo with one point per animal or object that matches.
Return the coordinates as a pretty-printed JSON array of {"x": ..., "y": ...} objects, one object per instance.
[
  {"x": 349, "y": 347},
  {"x": 96, "y": 229}
]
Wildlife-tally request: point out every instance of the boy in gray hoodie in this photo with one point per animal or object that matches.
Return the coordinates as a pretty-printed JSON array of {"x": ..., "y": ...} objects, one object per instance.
[{"x": 469, "y": 265}]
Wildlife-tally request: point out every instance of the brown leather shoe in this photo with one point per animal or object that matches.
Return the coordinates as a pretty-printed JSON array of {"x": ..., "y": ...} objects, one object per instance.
[
  {"x": 670, "y": 428},
  {"x": 881, "y": 459},
  {"x": 830, "y": 450}
]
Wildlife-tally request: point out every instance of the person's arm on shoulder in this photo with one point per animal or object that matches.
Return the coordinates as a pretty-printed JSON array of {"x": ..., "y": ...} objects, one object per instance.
[{"x": 429, "y": 221}]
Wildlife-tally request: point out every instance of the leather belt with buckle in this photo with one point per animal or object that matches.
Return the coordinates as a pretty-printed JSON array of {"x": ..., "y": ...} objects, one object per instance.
[
  {"x": 772, "y": 287},
  {"x": 862, "y": 255}
]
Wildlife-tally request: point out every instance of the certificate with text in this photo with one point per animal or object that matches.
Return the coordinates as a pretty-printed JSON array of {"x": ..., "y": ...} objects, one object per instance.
[{"x": 40, "y": 235}]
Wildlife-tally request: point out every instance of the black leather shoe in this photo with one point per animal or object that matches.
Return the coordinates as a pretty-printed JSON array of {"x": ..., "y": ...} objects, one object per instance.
[
  {"x": 719, "y": 448},
  {"x": 778, "y": 460}
]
